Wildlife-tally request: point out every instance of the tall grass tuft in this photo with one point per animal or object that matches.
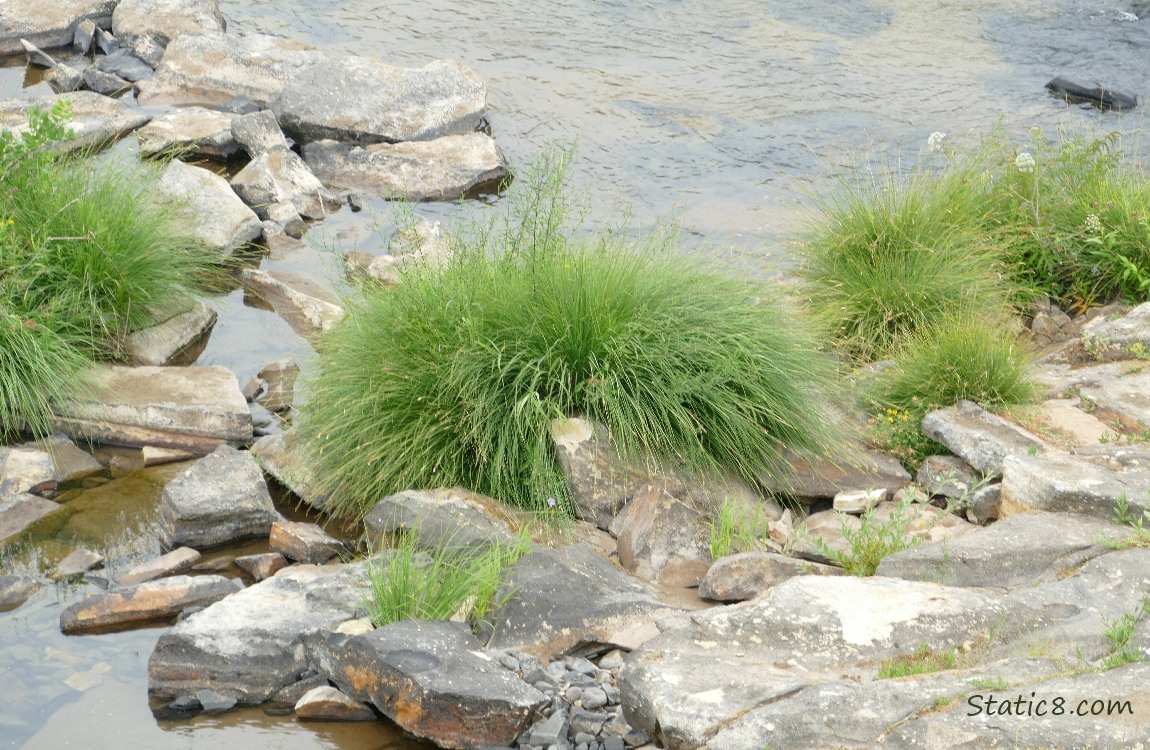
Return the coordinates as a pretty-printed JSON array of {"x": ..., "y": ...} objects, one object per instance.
[{"x": 455, "y": 376}]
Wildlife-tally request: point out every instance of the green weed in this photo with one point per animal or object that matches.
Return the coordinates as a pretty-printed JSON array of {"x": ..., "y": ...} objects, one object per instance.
[
  {"x": 736, "y": 529},
  {"x": 922, "y": 661},
  {"x": 873, "y": 541},
  {"x": 1120, "y": 633}
]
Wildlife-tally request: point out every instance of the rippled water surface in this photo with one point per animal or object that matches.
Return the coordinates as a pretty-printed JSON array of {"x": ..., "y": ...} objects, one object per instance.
[{"x": 727, "y": 113}]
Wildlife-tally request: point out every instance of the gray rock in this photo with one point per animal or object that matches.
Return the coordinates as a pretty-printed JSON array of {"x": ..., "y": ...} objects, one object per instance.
[
  {"x": 124, "y": 64},
  {"x": 64, "y": 79},
  {"x": 432, "y": 679},
  {"x": 77, "y": 561},
  {"x": 286, "y": 219},
  {"x": 281, "y": 176},
  {"x": 187, "y": 408},
  {"x": 444, "y": 518},
  {"x": 857, "y": 502},
  {"x": 107, "y": 84},
  {"x": 222, "y": 497},
  {"x": 814, "y": 480},
  {"x": 1068, "y": 483},
  {"x": 985, "y": 504},
  {"x": 601, "y": 481},
  {"x": 981, "y": 438},
  {"x": 96, "y": 120},
  {"x": 148, "y": 26},
  {"x": 437, "y": 170},
  {"x": 37, "y": 57},
  {"x": 363, "y": 100},
  {"x": 222, "y": 221},
  {"x": 278, "y": 458},
  {"x": 290, "y": 694},
  {"x": 261, "y": 566},
  {"x": 1121, "y": 337},
  {"x": 106, "y": 42},
  {"x": 48, "y": 26},
  {"x": 240, "y": 105},
  {"x": 27, "y": 470},
  {"x": 571, "y": 596},
  {"x": 304, "y": 542},
  {"x": 307, "y": 307},
  {"x": 424, "y": 245},
  {"x": 1118, "y": 391},
  {"x": 212, "y": 68},
  {"x": 247, "y": 646},
  {"x": 84, "y": 37},
  {"x": 192, "y": 130},
  {"x": 280, "y": 377},
  {"x": 665, "y": 539},
  {"x": 18, "y": 512},
  {"x": 948, "y": 476},
  {"x": 1022, "y": 550},
  {"x": 551, "y": 731},
  {"x": 258, "y": 133},
  {"x": 153, "y": 600},
  {"x": 164, "y": 565},
  {"x": 328, "y": 703},
  {"x": 168, "y": 341},
  {"x": 745, "y": 575},
  {"x": 16, "y": 589}
]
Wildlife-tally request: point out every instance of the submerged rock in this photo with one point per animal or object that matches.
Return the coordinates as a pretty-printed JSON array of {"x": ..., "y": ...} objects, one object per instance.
[
  {"x": 221, "y": 220},
  {"x": 96, "y": 120},
  {"x": 19, "y": 511},
  {"x": 48, "y": 25},
  {"x": 16, "y": 589},
  {"x": 153, "y": 600},
  {"x": 192, "y": 130}
]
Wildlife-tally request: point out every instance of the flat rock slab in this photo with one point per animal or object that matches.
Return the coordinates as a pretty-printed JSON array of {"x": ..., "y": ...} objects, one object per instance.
[
  {"x": 455, "y": 518},
  {"x": 1117, "y": 391},
  {"x": 27, "y": 470},
  {"x": 221, "y": 498},
  {"x": 328, "y": 703},
  {"x": 1070, "y": 483},
  {"x": 164, "y": 565},
  {"x": 96, "y": 119},
  {"x": 745, "y": 575},
  {"x": 17, "y": 512},
  {"x": 15, "y": 590},
  {"x": 438, "y": 170},
  {"x": 1022, "y": 550},
  {"x": 153, "y": 600},
  {"x": 364, "y": 100},
  {"x": 48, "y": 25},
  {"x": 210, "y": 69},
  {"x": 572, "y": 596},
  {"x": 76, "y": 562},
  {"x": 167, "y": 342},
  {"x": 982, "y": 439},
  {"x": 1121, "y": 337},
  {"x": 307, "y": 307},
  {"x": 278, "y": 459},
  {"x": 304, "y": 542},
  {"x": 816, "y": 480},
  {"x": 248, "y": 645},
  {"x": 222, "y": 221},
  {"x": 147, "y": 25},
  {"x": 193, "y": 409},
  {"x": 433, "y": 680},
  {"x": 189, "y": 130},
  {"x": 261, "y": 566}
]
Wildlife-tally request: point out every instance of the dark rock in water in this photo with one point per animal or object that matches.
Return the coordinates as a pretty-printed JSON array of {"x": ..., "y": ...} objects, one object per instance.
[
  {"x": 126, "y": 65},
  {"x": 1099, "y": 96},
  {"x": 213, "y": 702},
  {"x": 36, "y": 56},
  {"x": 105, "y": 83}
]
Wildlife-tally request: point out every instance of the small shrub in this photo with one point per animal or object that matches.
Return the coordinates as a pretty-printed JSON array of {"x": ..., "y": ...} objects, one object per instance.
[
  {"x": 1120, "y": 633},
  {"x": 899, "y": 433},
  {"x": 874, "y": 540},
  {"x": 1122, "y": 515}
]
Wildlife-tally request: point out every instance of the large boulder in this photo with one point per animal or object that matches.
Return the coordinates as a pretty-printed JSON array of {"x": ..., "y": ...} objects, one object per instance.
[
  {"x": 982, "y": 439},
  {"x": 210, "y": 69},
  {"x": 437, "y": 170},
  {"x": 1078, "y": 482},
  {"x": 281, "y": 176},
  {"x": 222, "y": 221},
  {"x": 154, "y": 600},
  {"x": 194, "y": 409},
  {"x": 455, "y": 518},
  {"x": 432, "y": 679},
  {"x": 148, "y": 26},
  {"x": 221, "y": 498},
  {"x": 48, "y": 25},
  {"x": 96, "y": 120},
  {"x": 364, "y": 100},
  {"x": 189, "y": 130},
  {"x": 809, "y": 480},
  {"x": 249, "y": 645}
]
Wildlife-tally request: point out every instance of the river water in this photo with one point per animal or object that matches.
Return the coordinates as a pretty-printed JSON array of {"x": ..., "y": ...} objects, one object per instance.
[{"x": 725, "y": 114}]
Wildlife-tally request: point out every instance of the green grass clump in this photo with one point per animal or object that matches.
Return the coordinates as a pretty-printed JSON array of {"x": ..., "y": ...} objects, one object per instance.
[
  {"x": 455, "y": 376},
  {"x": 88, "y": 253},
  {"x": 922, "y": 661},
  {"x": 407, "y": 582},
  {"x": 736, "y": 528}
]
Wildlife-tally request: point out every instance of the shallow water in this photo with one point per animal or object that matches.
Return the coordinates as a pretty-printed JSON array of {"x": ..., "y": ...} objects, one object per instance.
[{"x": 728, "y": 114}]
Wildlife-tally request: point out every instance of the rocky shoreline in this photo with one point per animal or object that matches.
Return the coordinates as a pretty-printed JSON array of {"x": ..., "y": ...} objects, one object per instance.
[{"x": 1023, "y": 553}]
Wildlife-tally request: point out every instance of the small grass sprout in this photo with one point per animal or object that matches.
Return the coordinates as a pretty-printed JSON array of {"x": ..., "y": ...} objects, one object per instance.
[
  {"x": 923, "y": 661},
  {"x": 736, "y": 528},
  {"x": 1119, "y": 633}
]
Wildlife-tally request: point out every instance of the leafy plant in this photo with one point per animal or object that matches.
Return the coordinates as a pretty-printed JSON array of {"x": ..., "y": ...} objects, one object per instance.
[
  {"x": 1140, "y": 536},
  {"x": 735, "y": 529},
  {"x": 1120, "y": 633},
  {"x": 899, "y": 433},
  {"x": 874, "y": 540}
]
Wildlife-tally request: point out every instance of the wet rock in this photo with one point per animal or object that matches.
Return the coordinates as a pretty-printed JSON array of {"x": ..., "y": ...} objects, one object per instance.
[
  {"x": 48, "y": 26},
  {"x": 1067, "y": 483},
  {"x": 258, "y": 133},
  {"x": 1102, "y": 97},
  {"x": 153, "y": 456},
  {"x": 102, "y": 82},
  {"x": 982, "y": 439},
  {"x": 422, "y": 244},
  {"x": 124, "y": 64},
  {"x": 240, "y": 105},
  {"x": 286, "y": 219},
  {"x": 19, "y": 511},
  {"x": 64, "y": 79},
  {"x": 442, "y": 518},
  {"x": 15, "y": 589},
  {"x": 148, "y": 26},
  {"x": 363, "y": 100},
  {"x": 222, "y": 221},
  {"x": 192, "y": 409},
  {"x": 76, "y": 562},
  {"x": 281, "y": 176},
  {"x": 290, "y": 694},
  {"x": 438, "y": 170},
  {"x": 432, "y": 679},
  {"x": 96, "y": 119},
  {"x": 813, "y": 480},
  {"x": 222, "y": 497},
  {"x": 261, "y": 566},
  {"x": 572, "y": 596},
  {"x": 27, "y": 471},
  {"x": 166, "y": 342},
  {"x": 277, "y": 457},
  {"x": 212, "y": 68},
  {"x": 280, "y": 377},
  {"x": 164, "y": 565},
  {"x": 192, "y": 130},
  {"x": 37, "y": 57},
  {"x": 665, "y": 539},
  {"x": 84, "y": 37},
  {"x": 1022, "y": 550},
  {"x": 329, "y": 703},
  {"x": 948, "y": 476},
  {"x": 308, "y": 308},
  {"x": 857, "y": 502},
  {"x": 153, "y": 600},
  {"x": 304, "y": 542},
  {"x": 745, "y": 575},
  {"x": 247, "y": 646},
  {"x": 253, "y": 389}
]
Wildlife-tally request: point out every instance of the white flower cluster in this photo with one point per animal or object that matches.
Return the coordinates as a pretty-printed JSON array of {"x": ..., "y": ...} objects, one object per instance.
[
  {"x": 1093, "y": 224},
  {"x": 934, "y": 143},
  {"x": 1025, "y": 162}
]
